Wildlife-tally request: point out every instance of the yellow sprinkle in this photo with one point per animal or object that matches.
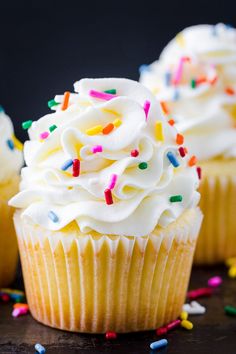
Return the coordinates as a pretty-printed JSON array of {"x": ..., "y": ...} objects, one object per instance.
[
  {"x": 180, "y": 40},
  {"x": 159, "y": 131},
  {"x": 94, "y": 130},
  {"x": 17, "y": 143},
  {"x": 117, "y": 122},
  {"x": 187, "y": 324},
  {"x": 111, "y": 112},
  {"x": 184, "y": 315},
  {"x": 230, "y": 262},
  {"x": 232, "y": 272}
]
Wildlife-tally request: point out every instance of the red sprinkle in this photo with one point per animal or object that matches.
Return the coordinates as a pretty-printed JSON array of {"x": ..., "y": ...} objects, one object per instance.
[
  {"x": 108, "y": 128},
  {"x": 179, "y": 139},
  {"x": 111, "y": 335},
  {"x": 229, "y": 91},
  {"x": 108, "y": 196},
  {"x": 171, "y": 122},
  {"x": 201, "y": 292},
  {"x": 199, "y": 172},
  {"x": 201, "y": 80},
  {"x": 76, "y": 168},
  {"x": 65, "y": 101},
  {"x": 173, "y": 325},
  {"x": 134, "y": 153},
  {"x": 161, "y": 331},
  {"x": 5, "y": 297},
  {"x": 182, "y": 151}
]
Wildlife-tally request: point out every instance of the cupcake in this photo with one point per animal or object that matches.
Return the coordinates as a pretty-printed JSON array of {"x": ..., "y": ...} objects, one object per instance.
[
  {"x": 11, "y": 159},
  {"x": 195, "y": 79},
  {"x": 107, "y": 217}
]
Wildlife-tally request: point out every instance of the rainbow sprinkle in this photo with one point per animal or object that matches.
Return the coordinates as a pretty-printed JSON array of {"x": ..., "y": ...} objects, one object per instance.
[
  {"x": 111, "y": 91},
  {"x": 52, "y": 216},
  {"x": 76, "y": 168},
  {"x": 113, "y": 181},
  {"x": 67, "y": 165},
  {"x": 146, "y": 107},
  {"x": 65, "y": 102},
  {"x": 108, "y": 196},
  {"x": 159, "y": 131},
  {"x": 173, "y": 160},
  {"x": 176, "y": 198},
  {"x": 43, "y": 135},
  {"x": 97, "y": 148},
  {"x": 94, "y": 130},
  {"x": 10, "y": 144},
  {"x": 52, "y": 103},
  {"x": 108, "y": 128},
  {"x": 101, "y": 95},
  {"x": 143, "y": 165},
  {"x": 117, "y": 122},
  {"x": 52, "y": 128},
  {"x": 27, "y": 124}
]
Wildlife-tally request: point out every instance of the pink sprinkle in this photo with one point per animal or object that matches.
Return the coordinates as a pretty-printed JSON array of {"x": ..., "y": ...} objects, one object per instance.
[
  {"x": 102, "y": 95},
  {"x": 5, "y": 297},
  {"x": 112, "y": 181},
  {"x": 201, "y": 292},
  {"x": 214, "y": 282},
  {"x": 19, "y": 312},
  {"x": 179, "y": 72},
  {"x": 44, "y": 135},
  {"x": 97, "y": 148},
  {"x": 173, "y": 325},
  {"x": 146, "y": 107}
]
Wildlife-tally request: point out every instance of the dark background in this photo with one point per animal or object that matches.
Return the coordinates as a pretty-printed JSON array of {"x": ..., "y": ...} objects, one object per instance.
[{"x": 46, "y": 46}]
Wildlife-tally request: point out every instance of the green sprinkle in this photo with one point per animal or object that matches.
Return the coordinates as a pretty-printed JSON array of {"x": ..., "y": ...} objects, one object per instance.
[
  {"x": 230, "y": 310},
  {"x": 193, "y": 83},
  {"x": 27, "y": 124},
  {"x": 176, "y": 198},
  {"x": 143, "y": 165},
  {"x": 111, "y": 91},
  {"x": 52, "y": 128},
  {"x": 52, "y": 103}
]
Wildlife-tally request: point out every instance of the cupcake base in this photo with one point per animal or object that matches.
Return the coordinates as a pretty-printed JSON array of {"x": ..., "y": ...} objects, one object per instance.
[
  {"x": 8, "y": 242},
  {"x": 94, "y": 283},
  {"x": 217, "y": 239}
]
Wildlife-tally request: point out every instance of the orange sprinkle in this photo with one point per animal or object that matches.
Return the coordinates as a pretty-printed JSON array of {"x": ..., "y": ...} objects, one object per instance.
[
  {"x": 192, "y": 161},
  {"x": 108, "y": 128},
  {"x": 164, "y": 107},
  {"x": 213, "y": 81},
  {"x": 20, "y": 305},
  {"x": 186, "y": 150},
  {"x": 201, "y": 80},
  {"x": 65, "y": 101},
  {"x": 179, "y": 139},
  {"x": 171, "y": 121},
  {"x": 229, "y": 91}
]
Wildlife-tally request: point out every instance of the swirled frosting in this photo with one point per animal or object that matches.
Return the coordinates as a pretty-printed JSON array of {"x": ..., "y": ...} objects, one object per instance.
[
  {"x": 134, "y": 162},
  {"x": 196, "y": 77},
  {"x": 11, "y": 157}
]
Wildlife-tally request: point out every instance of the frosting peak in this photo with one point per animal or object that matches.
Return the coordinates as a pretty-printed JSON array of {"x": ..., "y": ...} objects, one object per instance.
[
  {"x": 105, "y": 159},
  {"x": 196, "y": 77}
]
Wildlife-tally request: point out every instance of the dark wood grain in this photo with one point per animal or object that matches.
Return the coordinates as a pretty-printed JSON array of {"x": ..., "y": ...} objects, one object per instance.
[{"x": 213, "y": 333}]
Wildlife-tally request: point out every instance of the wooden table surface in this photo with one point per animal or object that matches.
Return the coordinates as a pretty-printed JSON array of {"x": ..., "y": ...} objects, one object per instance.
[{"x": 213, "y": 332}]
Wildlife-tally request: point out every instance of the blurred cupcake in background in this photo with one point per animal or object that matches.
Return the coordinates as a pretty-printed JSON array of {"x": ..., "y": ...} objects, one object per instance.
[
  {"x": 195, "y": 79},
  {"x": 11, "y": 159},
  {"x": 107, "y": 217}
]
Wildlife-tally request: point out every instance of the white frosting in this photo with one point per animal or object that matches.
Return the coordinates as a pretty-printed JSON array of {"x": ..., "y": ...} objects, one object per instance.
[
  {"x": 206, "y": 113},
  {"x": 11, "y": 158},
  {"x": 141, "y": 197}
]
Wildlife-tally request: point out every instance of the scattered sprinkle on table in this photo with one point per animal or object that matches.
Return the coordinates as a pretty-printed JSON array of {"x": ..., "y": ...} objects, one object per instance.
[
  {"x": 201, "y": 292},
  {"x": 186, "y": 324},
  {"x": 214, "y": 282},
  {"x": 111, "y": 335},
  {"x": 158, "y": 344},
  {"x": 230, "y": 310},
  {"x": 39, "y": 348},
  {"x": 194, "y": 308}
]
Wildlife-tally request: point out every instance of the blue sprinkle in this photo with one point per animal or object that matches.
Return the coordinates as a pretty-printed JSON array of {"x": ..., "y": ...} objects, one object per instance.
[
  {"x": 40, "y": 349},
  {"x": 173, "y": 160},
  {"x": 2, "y": 109},
  {"x": 176, "y": 95},
  {"x": 143, "y": 68},
  {"x": 159, "y": 344},
  {"x": 66, "y": 165},
  {"x": 53, "y": 216},
  {"x": 10, "y": 144},
  {"x": 168, "y": 78}
]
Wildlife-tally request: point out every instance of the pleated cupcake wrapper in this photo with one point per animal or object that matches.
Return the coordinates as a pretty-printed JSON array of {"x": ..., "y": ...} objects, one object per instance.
[
  {"x": 98, "y": 284},
  {"x": 217, "y": 239},
  {"x": 8, "y": 241}
]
